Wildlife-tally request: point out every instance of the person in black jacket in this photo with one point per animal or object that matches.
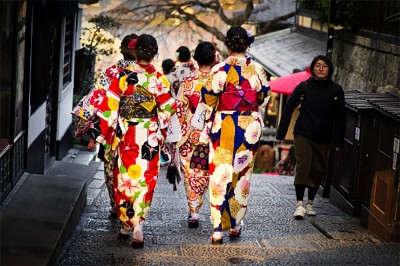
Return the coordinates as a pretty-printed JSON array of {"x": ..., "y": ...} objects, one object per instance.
[{"x": 320, "y": 124}]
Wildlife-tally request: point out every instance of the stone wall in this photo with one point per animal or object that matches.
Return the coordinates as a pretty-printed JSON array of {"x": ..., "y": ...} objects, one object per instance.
[{"x": 365, "y": 64}]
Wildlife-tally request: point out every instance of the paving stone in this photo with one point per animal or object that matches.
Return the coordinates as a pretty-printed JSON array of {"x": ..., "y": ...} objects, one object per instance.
[
  {"x": 99, "y": 175},
  {"x": 96, "y": 184},
  {"x": 270, "y": 234},
  {"x": 91, "y": 258}
]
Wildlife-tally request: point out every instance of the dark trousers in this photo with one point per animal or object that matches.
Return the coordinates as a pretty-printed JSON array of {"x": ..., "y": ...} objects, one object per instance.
[{"x": 311, "y": 166}]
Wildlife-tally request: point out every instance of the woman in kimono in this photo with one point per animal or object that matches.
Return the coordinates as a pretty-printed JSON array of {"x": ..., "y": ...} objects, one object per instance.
[
  {"x": 183, "y": 68},
  {"x": 133, "y": 116},
  {"x": 85, "y": 111},
  {"x": 235, "y": 91},
  {"x": 195, "y": 173}
]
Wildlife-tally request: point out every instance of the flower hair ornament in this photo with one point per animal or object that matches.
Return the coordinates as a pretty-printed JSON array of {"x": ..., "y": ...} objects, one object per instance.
[{"x": 132, "y": 44}]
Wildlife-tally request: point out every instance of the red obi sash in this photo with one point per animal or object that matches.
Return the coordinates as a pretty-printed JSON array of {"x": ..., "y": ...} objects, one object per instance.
[{"x": 238, "y": 98}]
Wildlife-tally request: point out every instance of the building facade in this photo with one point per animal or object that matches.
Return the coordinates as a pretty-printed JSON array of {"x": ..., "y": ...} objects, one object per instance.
[{"x": 37, "y": 56}]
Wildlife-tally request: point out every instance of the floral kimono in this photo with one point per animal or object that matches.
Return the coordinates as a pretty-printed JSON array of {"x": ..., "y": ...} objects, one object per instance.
[
  {"x": 178, "y": 74},
  {"x": 237, "y": 88},
  {"x": 196, "y": 178},
  {"x": 133, "y": 116},
  {"x": 85, "y": 113},
  {"x": 85, "y": 110}
]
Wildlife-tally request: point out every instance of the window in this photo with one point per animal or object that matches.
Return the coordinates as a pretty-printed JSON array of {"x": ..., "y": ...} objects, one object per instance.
[{"x": 68, "y": 49}]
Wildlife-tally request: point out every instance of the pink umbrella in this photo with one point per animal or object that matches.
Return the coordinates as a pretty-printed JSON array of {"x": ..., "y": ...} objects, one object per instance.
[{"x": 286, "y": 84}]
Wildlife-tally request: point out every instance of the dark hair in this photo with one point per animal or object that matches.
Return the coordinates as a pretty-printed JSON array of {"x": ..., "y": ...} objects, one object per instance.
[
  {"x": 327, "y": 60},
  {"x": 146, "y": 47},
  {"x": 125, "y": 50},
  {"x": 184, "y": 54},
  {"x": 167, "y": 65},
  {"x": 204, "y": 54},
  {"x": 237, "y": 39}
]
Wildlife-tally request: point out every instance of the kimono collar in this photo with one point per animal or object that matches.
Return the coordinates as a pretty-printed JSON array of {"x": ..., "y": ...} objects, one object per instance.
[
  {"x": 148, "y": 68},
  {"x": 238, "y": 61}
]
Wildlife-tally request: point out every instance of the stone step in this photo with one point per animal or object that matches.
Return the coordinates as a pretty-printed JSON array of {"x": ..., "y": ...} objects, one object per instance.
[{"x": 42, "y": 213}]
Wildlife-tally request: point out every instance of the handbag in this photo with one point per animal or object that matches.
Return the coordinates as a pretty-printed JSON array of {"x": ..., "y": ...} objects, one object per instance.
[{"x": 173, "y": 173}]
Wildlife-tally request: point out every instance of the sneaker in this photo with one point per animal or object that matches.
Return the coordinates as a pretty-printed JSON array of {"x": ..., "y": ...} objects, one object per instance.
[
  {"x": 299, "y": 213},
  {"x": 310, "y": 210}
]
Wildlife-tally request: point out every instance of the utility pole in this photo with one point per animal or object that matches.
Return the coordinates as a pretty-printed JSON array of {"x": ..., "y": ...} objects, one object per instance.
[{"x": 331, "y": 26}]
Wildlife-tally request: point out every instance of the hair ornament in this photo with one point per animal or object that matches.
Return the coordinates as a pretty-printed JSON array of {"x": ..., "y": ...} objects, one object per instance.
[{"x": 132, "y": 44}]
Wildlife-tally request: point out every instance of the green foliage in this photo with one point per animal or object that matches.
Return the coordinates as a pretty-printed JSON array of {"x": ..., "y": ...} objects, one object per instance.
[
  {"x": 95, "y": 41},
  {"x": 346, "y": 11}
]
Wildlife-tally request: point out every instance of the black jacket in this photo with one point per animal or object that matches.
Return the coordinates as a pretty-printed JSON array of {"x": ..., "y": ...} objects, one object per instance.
[{"x": 322, "y": 112}]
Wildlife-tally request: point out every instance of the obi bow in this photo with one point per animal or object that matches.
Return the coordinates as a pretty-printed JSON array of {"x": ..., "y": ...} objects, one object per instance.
[{"x": 242, "y": 95}]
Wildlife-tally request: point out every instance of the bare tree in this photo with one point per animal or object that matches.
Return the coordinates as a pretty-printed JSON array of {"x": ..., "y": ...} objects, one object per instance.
[{"x": 210, "y": 16}]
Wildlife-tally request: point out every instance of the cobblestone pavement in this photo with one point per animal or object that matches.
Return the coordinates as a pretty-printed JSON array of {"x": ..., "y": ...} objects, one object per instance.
[{"x": 270, "y": 235}]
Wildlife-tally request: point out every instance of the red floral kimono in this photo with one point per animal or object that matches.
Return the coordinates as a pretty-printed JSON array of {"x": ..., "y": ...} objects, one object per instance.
[
  {"x": 132, "y": 118},
  {"x": 196, "y": 179}
]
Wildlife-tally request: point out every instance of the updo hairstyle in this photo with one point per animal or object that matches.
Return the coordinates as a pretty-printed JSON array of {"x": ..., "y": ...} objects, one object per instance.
[
  {"x": 146, "y": 47},
  {"x": 204, "y": 54},
  {"x": 237, "y": 39},
  {"x": 167, "y": 65},
  {"x": 125, "y": 50},
  {"x": 183, "y": 54}
]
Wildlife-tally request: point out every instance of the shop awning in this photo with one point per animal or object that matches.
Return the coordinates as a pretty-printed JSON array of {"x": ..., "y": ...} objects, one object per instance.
[{"x": 286, "y": 84}]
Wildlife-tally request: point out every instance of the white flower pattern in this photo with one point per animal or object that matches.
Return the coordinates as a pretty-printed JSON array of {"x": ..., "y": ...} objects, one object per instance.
[
  {"x": 253, "y": 132},
  {"x": 238, "y": 132},
  {"x": 216, "y": 126},
  {"x": 217, "y": 193},
  {"x": 215, "y": 217},
  {"x": 153, "y": 139},
  {"x": 242, "y": 189},
  {"x": 242, "y": 159},
  {"x": 222, "y": 174}
]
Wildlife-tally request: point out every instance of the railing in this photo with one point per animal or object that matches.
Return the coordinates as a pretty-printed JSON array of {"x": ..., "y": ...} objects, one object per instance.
[{"x": 12, "y": 163}]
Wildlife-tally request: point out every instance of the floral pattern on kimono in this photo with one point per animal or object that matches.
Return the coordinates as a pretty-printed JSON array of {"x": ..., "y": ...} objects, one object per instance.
[
  {"x": 235, "y": 137},
  {"x": 85, "y": 108},
  {"x": 134, "y": 141},
  {"x": 195, "y": 180},
  {"x": 178, "y": 74},
  {"x": 85, "y": 116}
]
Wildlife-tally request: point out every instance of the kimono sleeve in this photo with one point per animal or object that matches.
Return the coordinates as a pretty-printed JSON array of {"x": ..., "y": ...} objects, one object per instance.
[
  {"x": 212, "y": 89},
  {"x": 106, "y": 101},
  {"x": 166, "y": 104},
  {"x": 262, "y": 94}
]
